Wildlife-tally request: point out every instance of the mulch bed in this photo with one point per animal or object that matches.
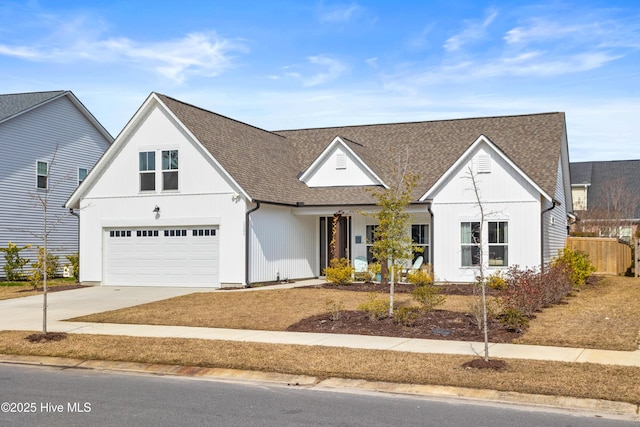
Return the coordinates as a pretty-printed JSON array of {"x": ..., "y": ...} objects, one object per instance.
[{"x": 436, "y": 324}]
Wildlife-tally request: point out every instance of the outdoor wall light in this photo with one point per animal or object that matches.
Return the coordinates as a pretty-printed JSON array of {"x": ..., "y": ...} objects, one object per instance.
[{"x": 156, "y": 209}]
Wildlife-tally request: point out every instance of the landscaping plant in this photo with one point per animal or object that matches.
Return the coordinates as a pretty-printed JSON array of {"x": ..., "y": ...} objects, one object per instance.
[
  {"x": 339, "y": 272},
  {"x": 51, "y": 263},
  {"x": 578, "y": 264},
  {"x": 74, "y": 259},
  {"x": 14, "y": 263}
]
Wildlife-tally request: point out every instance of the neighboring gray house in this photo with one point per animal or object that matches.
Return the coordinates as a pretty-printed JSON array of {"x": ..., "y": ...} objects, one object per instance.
[
  {"x": 49, "y": 142},
  {"x": 606, "y": 198},
  {"x": 187, "y": 197}
]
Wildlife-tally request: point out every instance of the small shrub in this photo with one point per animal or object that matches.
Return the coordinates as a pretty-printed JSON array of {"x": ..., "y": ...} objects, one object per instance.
[
  {"x": 14, "y": 263},
  {"x": 496, "y": 281},
  {"x": 406, "y": 316},
  {"x": 419, "y": 278},
  {"x": 514, "y": 319},
  {"x": 375, "y": 308},
  {"x": 476, "y": 308},
  {"x": 37, "y": 268},
  {"x": 578, "y": 264},
  {"x": 74, "y": 259},
  {"x": 334, "y": 309},
  {"x": 339, "y": 272},
  {"x": 428, "y": 296}
]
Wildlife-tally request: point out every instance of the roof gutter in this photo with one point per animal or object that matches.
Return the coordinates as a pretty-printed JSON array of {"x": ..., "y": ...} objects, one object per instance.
[{"x": 246, "y": 244}]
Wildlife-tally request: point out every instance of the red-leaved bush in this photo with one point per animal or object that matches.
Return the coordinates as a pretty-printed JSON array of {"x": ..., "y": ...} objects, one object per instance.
[{"x": 529, "y": 290}]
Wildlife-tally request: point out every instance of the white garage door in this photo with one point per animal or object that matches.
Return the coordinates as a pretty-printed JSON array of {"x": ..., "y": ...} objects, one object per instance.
[{"x": 175, "y": 256}]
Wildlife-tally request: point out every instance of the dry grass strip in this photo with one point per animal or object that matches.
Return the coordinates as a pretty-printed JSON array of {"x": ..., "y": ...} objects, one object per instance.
[
  {"x": 614, "y": 383},
  {"x": 261, "y": 310},
  {"x": 24, "y": 289},
  {"x": 604, "y": 315}
]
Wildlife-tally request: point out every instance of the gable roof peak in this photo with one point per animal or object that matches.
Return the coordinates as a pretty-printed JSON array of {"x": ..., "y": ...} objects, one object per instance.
[{"x": 204, "y": 110}]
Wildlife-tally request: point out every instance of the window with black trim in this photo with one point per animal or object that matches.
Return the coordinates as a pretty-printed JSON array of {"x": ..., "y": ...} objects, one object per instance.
[
  {"x": 147, "y": 162},
  {"x": 469, "y": 242},
  {"x": 42, "y": 173},
  {"x": 498, "y": 244},
  {"x": 420, "y": 237},
  {"x": 370, "y": 235},
  {"x": 170, "y": 170}
]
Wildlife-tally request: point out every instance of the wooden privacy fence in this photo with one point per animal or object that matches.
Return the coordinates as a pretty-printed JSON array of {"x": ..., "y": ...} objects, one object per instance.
[{"x": 606, "y": 253}]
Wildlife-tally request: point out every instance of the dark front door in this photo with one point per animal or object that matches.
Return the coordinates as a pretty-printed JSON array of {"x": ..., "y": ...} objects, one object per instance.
[{"x": 338, "y": 228}]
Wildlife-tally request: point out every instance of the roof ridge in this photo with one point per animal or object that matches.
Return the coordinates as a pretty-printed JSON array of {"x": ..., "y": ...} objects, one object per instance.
[
  {"x": 422, "y": 121},
  {"x": 34, "y": 93},
  {"x": 220, "y": 115}
]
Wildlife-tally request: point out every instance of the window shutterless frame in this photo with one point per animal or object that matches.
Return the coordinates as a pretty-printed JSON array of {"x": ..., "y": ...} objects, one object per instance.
[
  {"x": 169, "y": 170},
  {"x": 147, "y": 168},
  {"x": 42, "y": 173}
]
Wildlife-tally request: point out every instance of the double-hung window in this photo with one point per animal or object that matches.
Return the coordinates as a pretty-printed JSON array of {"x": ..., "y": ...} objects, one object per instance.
[
  {"x": 498, "y": 243},
  {"x": 42, "y": 174},
  {"x": 170, "y": 170},
  {"x": 470, "y": 243},
  {"x": 147, "y": 170},
  {"x": 420, "y": 238}
]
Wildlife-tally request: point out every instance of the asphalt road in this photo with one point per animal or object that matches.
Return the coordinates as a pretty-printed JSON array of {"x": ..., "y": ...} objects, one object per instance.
[{"x": 38, "y": 396}]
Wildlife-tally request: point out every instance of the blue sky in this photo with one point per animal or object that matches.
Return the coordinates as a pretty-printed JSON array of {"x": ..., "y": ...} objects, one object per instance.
[{"x": 282, "y": 64}]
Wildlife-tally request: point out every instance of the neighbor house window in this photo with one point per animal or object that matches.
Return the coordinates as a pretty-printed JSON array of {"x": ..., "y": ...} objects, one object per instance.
[
  {"x": 469, "y": 242},
  {"x": 147, "y": 171},
  {"x": 170, "y": 170},
  {"x": 420, "y": 238},
  {"x": 82, "y": 174},
  {"x": 42, "y": 172},
  {"x": 498, "y": 244}
]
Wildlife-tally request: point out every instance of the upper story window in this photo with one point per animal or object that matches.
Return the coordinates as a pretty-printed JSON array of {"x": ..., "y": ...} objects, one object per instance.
[
  {"x": 147, "y": 170},
  {"x": 170, "y": 170},
  {"x": 82, "y": 174},
  {"x": 42, "y": 174}
]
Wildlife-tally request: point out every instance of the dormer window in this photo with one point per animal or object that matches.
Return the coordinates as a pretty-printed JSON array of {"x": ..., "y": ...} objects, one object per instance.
[{"x": 341, "y": 161}]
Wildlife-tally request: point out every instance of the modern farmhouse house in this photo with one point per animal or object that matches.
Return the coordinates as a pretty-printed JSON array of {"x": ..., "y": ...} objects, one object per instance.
[
  {"x": 187, "y": 197},
  {"x": 49, "y": 142}
]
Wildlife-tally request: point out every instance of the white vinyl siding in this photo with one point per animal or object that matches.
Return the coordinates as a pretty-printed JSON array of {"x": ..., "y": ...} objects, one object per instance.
[{"x": 35, "y": 136}]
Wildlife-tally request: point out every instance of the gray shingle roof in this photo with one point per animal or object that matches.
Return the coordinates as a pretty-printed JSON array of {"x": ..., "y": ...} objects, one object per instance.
[
  {"x": 600, "y": 175},
  {"x": 267, "y": 164},
  {"x": 15, "y": 103}
]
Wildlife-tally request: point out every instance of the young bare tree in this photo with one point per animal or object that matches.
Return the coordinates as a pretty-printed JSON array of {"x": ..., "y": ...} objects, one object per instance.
[
  {"x": 479, "y": 241},
  {"x": 49, "y": 224},
  {"x": 391, "y": 242}
]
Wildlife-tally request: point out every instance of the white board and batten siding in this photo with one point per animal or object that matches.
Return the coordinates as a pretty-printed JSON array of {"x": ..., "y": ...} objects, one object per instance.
[
  {"x": 33, "y": 136},
  {"x": 205, "y": 200},
  {"x": 281, "y": 244},
  {"x": 506, "y": 196}
]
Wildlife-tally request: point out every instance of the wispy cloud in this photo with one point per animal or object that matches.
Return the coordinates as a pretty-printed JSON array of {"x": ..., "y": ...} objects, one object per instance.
[
  {"x": 324, "y": 69},
  {"x": 474, "y": 30},
  {"x": 198, "y": 53},
  {"x": 339, "y": 13}
]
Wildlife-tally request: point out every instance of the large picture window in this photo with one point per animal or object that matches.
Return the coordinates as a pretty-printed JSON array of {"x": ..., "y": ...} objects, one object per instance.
[
  {"x": 170, "y": 170},
  {"x": 147, "y": 170},
  {"x": 469, "y": 242},
  {"x": 420, "y": 237},
  {"x": 498, "y": 244},
  {"x": 42, "y": 172}
]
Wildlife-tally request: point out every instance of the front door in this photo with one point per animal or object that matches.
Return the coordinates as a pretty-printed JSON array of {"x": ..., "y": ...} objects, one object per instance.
[{"x": 336, "y": 228}]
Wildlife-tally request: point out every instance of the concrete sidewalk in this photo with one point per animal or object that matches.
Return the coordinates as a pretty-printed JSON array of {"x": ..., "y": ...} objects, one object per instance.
[{"x": 26, "y": 314}]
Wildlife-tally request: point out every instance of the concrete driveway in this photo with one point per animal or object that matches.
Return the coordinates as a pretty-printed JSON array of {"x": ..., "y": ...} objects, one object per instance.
[{"x": 26, "y": 313}]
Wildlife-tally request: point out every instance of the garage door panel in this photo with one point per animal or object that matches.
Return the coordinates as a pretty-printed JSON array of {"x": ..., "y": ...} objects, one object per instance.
[{"x": 176, "y": 256}]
